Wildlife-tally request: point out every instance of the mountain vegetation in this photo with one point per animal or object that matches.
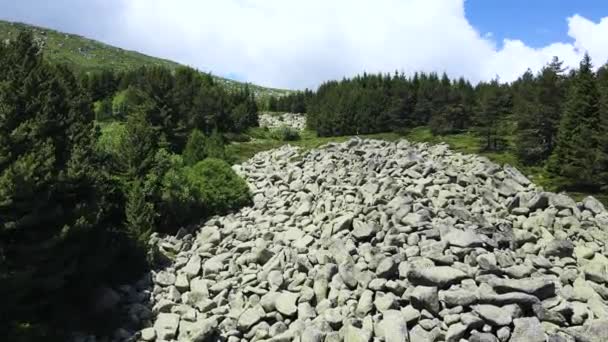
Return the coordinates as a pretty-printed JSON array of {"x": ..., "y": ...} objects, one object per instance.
[
  {"x": 553, "y": 121},
  {"x": 77, "y": 208},
  {"x": 87, "y": 55}
]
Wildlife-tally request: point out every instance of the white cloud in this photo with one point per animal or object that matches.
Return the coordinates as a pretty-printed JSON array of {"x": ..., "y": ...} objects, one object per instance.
[{"x": 301, "y": 43}]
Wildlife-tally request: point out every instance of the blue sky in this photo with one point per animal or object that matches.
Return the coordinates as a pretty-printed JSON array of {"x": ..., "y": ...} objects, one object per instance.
[
  {"x": 301, "y": 43},
  {"x": 536, "y": 22}
]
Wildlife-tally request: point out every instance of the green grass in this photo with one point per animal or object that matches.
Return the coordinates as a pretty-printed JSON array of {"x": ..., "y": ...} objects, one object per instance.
[{"x": 87, "y": 55}]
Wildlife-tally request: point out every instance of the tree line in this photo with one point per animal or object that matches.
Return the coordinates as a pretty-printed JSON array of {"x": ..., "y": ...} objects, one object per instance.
[
  {"x": 292, "y": 103},
  {"x": 555, "y": 118},
  {"x": 90, "y": 166}
]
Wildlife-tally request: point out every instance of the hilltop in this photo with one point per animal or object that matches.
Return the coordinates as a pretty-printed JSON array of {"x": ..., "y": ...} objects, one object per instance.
[{"x": 88, "y": 55}]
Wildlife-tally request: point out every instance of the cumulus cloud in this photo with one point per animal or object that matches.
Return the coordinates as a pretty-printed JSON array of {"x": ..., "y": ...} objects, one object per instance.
[{"x": 297, "y": 43}]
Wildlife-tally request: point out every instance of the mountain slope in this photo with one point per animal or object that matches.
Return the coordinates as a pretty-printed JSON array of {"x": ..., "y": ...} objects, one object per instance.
[{"x": 90, "y": 55}]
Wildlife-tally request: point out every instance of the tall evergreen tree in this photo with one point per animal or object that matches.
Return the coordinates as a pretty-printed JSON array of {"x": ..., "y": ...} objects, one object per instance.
[
  {"x": 51, "y": 203},
  {"x": 529, "y": 144},
  {"x": 577, "y": 140},
  {"x": 601, "y": 159},
  {"x": 493, "y": 108}
]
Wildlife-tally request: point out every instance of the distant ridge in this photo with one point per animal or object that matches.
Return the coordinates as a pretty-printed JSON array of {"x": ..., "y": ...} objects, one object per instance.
[{"x": 86, "y": 54}]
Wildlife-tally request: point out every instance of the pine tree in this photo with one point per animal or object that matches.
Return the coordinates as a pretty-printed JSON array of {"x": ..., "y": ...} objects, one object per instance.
[
  {"x": 139, "y": 213},
  {"x": 529, "y": 144},
  {"x": 601, "y": 159},
  {"x": 493, "y": 107},
  {"x": 551, "y": 98},
  {"x": 577, "y": 143},
  {"x": 138, "y": 146},
  {"x": 52, "y": 241}
]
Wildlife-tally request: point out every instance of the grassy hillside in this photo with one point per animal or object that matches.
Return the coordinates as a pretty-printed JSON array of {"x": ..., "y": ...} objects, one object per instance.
[{"x": 89, "y": 55}]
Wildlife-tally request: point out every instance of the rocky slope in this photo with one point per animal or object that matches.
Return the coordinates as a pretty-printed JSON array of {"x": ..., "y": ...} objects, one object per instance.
[
  {"x": 295, "y": 121},
  {"x": 377, "y": 241}
]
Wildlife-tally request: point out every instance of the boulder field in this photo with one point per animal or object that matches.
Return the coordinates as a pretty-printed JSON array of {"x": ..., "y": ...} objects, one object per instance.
[{"x": 370, "y": 240}]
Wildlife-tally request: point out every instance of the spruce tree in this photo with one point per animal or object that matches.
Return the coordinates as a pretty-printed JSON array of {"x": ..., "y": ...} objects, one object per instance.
[
  {"x": 601, "y": 159},
  {"x": 493, "y": 107},
  {"x": 139, "y": 142},
  {"x": 577, "y": 140},
  {"x": 51, "y": 202},
  {"x": 529, "y": 145}
]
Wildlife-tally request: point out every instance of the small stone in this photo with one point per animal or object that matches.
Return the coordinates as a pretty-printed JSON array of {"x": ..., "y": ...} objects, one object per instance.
[
  {"x": 250, "y": 317},
  {"x": 455, "y": 332},
  {"x": 166, "y": 326},
  {"x": 426, "y": 297},
  {"x": 528, "y": 329},
  {"x": 148, "y": 334},
  {"x": 165, "y": 278},
  {"x": 559, "y": 248},
  {"x": 384, "y": 301},
  {"x": 286, "y": 303},
  {"x": 493, "y": 314},
  {"x": 363, "y": 230},
  {"x": 387, "y": 268},
  {"x": 440, "y": 276},
  {"x": 487, "y": 261},
  {"x": 393, "y": 327},
  {"x": 365, "y": 304},
  {"x": 193, "y": 267}
]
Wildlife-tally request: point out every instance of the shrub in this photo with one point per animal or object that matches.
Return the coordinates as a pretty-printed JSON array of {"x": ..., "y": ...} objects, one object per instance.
[
  {"x": 179, "y": 203},
  {"x": 219, "y": 188},
  {"x": 285, "y": 133}
]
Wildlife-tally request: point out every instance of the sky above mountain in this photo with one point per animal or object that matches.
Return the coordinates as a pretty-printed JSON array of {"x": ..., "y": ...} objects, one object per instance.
[{"x": 297, "y": 44}]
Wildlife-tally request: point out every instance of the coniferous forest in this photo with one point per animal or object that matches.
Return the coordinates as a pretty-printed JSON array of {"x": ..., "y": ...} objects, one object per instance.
[
  {"x": 77, "y": 210},
  {"x": 555, "y": 119}
]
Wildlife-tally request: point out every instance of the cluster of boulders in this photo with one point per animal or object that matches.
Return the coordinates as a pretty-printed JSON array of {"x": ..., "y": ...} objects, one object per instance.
[
  {"x": 378, "y": 241},
  {"x": 295, "y": 121}
]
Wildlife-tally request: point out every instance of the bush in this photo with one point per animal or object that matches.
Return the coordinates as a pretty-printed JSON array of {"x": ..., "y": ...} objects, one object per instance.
[
  {"x": 219, "y": 188},
  {"x": 179, "y": 202},
  {"x": 285, "y": 133}
]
